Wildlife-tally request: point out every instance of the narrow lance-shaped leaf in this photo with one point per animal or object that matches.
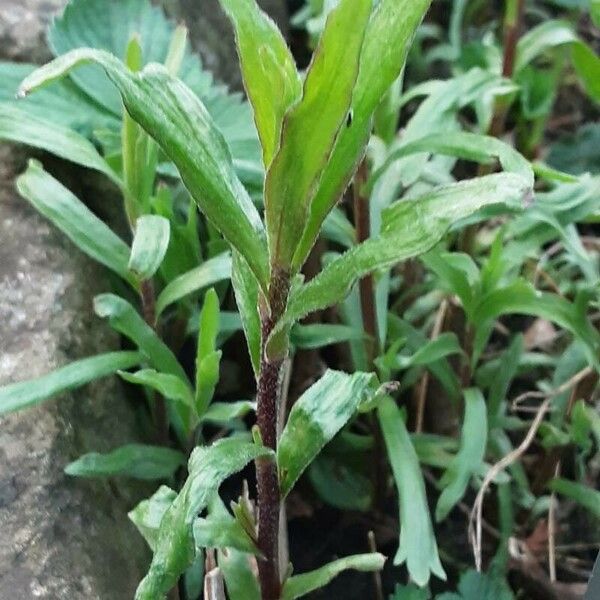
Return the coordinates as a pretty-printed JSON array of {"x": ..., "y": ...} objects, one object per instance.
[
  {"x": 388, "y": 38},
  {"x": 150, "y": 244},
  {"x": 170, "y": 386},
  {"x": 310, "y": 128},
  {"x": 174, "y": 545},
  {"x": 409, "y": 228},
  {"x": 16, "y": 396},
  {"x": 224, "y": 412},
  {"x": 268, "y": 68},
  {"x": 588, "y": 497},
  {"x": 19, "y": 126},
  {"x": 222, "y": 532},
  {"x": 91, "y": 235},
  {"x": 174, "y": 116},
  {"x": 133, "y": 460},
  {"x": 315, "y": 418},
  {"x": 208, "y": 273},
  {"x": 417, "y": 541},
  {"x": 469, "y": 459},
  {"x": 148, "y": 514},
  {"x": 305, "y": 583}
]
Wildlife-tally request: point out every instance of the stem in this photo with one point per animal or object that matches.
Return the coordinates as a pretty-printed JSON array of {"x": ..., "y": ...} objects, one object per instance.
[{"x": 267, "y": 478}]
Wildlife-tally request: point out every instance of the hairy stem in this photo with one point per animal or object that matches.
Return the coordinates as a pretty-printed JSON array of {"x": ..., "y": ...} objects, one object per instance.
[{"x": 267, "y": 479}]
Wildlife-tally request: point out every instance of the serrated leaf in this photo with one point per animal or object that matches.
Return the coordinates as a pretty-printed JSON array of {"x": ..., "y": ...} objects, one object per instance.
[
  {"x": 469, "y": 459},
  {"x": 418, "y": 547},
  {"x": 150, "y": 243},
  {"x": 208, "y": 468},
  {"x": 22, "y": 394},
  {"x": 392, "y": 25},
  {"x": 170, "y": 112},
  {"x": 409, "y": 228},
  {"x": 170, "y": 386},
  {"x": 148, "y": 514},
  {"x": 315, "y": 418},
  {"x": 588, "y": 497},
  {"x": 133, "y": 460},
  {"x": 18, "y": 126},
  {"x": 301, "y": 585},
  {"x": 208, "y": 273},
  {"x": 91, "y": 235},
  {"x": 270, "y": 77},
  {"x": 310, "y": 128}
]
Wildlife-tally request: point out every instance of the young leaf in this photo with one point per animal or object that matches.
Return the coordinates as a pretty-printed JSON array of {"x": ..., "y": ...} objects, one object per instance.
[
  {"x": 208, "y": 273},
  {"x": 133, "y": 460},
  {"x": 270, "y": 76},
  {"x": 150, "y": 244},
  {"x": 409, "y": 228},
  {"x": 389, "y": 35},
  {"x": 170, "y": 386},
  {"x": 74, "y": 219},
  {"x": 148, "y": 514},
  {"x": 170, "y": 112},
  {"x": 311, "y": 126},
  {"x": 16, "y": 396},
  {"x": 126, "y": 320},
  {"x": 417, "y": 541},
  {"x": 315, "y": 418},
  {"x": 174, "y": 548},
  {"x": 305, "y": 583},
  {"x": 469, "y": 459},
  {"x": 18, "y": 126},
  {"x": 588, "y": 497}
]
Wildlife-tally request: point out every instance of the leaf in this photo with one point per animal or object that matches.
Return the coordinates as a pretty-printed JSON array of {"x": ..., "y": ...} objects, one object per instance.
[
  {"x": 222, "y": 532},
  {"x": 170, "y": 112},
  {"x": 246, "y": 291},
  {"x": 469, "y": 459},
  {"x": 417, "y": 541},
  {"x": 319, "y": 335},
  {"x": 208, "y": 273},
  {"x": 150, "y": 244},
  {"x": 392, "y": 25},
  {"x": 270, "y": 77},
  {"x": 579, "y": 152},
  {"x": 240, "y": 579},
  {"x": 587, "y": 65},
  {"x": 315, "y": 418},
  {"x": 410, "y": 592},
  {"x": 18, "y": 126},
  {"x": 133, "y": 460},
  {"x": 126, "y": 320},
  {"x": 22, "y": 394},
  {"x": 208, "y": 468},
  {"x": 480, "y": 586},
  {"x": 74, "y": 219},
  {"x": 409, "y": 228},
  {"x": 170, "y": 386},
  {"x": 311, "y": 126},
  {"x": 301, "y": 585},
  {"x": 225, "y": 412},
  {"x": 588, "y": 497},
  {"x": 444, "y": 345},
  {"x": 502, "y": 380},
  {"x": 148, "y": 514}
]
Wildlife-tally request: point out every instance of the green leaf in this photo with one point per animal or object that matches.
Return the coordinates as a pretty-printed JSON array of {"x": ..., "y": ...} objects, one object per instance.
[
  {"x": 174, "y": 548},
  {"x": 503, "y": 377},
  {"x": 480, "y": 586},
  {"x": 310, "y": 128},
  {"x": 170, "y": 112},
  {"x": 208, "y": 273},
  {"x": 410, "y": 592},
  {"x": 246, "y": 291},
  {"x": 224, "y": 412},
  {"x": 587, "y": 64},
  {"x": 170, "y": 386},
  {"x": 270, "y": 77},
  {"x": 595, "y": 12},
  {"x": 444, "y": 345},
  {"x": 222, "y": 532},
  {"x": 409, "y": 228},
  {"x": 588, "y": 497},
  {"x": 469, "y": 459},
  {"x": 148, "y": 514},
  {"x": 126, "y": 320},
  {"x": 315, "y": 418},
  {"x": 240, "y": 579},
  {"x": 392, "y": 25},
  {"x": 18, "y": 126},
  {"x": 305, "y": 583},
  {"x": 319, "y": 335},
  {"x": 74, "y": 219},
  {"x": 150, "y": 244},
  {"x": 133, "y": 460},
  {"x": 22, "y": 394},
  {"x": 417, "y": 541}
]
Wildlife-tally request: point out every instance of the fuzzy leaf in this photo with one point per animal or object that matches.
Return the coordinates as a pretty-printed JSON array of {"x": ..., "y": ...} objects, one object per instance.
[{"x": 150, "y": 244}]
